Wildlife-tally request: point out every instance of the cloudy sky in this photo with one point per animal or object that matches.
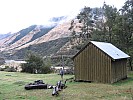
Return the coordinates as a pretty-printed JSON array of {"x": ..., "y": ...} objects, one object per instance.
[{"x": 18, "y": 14}]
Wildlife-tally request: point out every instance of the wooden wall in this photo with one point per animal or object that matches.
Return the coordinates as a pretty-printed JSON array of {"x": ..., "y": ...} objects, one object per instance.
[
  {"x": 92, "y": 65},
  {"x": 119, "y": 70}
]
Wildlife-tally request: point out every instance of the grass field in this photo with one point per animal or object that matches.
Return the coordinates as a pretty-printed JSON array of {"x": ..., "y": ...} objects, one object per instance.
[{"x": 12, "y": 88}]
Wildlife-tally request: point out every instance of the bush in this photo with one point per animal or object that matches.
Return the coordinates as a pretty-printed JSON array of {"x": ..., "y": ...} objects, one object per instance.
[
  {"x": 46, "y": 70},
  {"x": 10, "y": 69},
  {"x": 2, "y": 69},
  {"x": 36, "y": 64}
]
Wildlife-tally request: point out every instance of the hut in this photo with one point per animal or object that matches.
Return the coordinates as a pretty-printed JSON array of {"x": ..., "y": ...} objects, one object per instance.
[{"x": 100, "y": 62}]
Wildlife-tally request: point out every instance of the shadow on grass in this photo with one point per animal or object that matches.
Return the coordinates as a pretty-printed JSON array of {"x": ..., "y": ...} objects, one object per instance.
[{"x": 124, "y": 81}]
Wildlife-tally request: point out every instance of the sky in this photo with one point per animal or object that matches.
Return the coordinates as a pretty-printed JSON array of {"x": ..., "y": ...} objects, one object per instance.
[{"x": 19, "y": 14}]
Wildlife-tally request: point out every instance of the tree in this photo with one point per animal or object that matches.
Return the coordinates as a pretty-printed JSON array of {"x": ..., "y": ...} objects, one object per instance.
[
  {"x": 82, "y": 26},
  {"x": 35, "y": 64},
  {"x": 124, "y": 29},
  {"x": 110, "y": 14},
  {"x": 105, "y": 26},
  {"x": 85, "y": 17}
]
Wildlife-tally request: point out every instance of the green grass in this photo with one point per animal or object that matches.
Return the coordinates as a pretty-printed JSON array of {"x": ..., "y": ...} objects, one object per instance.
[{"x": 12, "y": 88}]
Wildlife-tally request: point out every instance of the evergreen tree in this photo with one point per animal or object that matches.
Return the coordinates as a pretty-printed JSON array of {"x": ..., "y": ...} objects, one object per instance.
[
  {"x": 124, "y": 29},
  {"x": 110, "y": 16},
  {"x": 85, "y": 17},
  {"x": 82, "y": 27},
  {"x": 105, "y": 26}
]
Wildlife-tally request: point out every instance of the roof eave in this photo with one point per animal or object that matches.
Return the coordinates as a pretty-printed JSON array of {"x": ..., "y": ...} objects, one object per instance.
[{"x": 120, "y": 58}]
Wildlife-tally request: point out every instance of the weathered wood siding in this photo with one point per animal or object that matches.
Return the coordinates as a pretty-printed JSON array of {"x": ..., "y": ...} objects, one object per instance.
[
  {"x": 92, "y": 65},
  {"x": 119, "y": 70}
]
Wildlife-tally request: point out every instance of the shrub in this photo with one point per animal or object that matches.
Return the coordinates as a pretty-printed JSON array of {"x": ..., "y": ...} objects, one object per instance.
[
  {"x": 35, "y": 64},
  {"x": 10, "y": 69}
]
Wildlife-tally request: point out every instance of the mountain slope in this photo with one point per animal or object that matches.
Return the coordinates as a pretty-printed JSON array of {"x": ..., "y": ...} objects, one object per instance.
[
  {"x": 60, "y": 31},
  {"x": 42, "y": 40},
  {"x": 34, "y": 34},
  {"x": 42, "y": 32},
  {"x": 43, "y": 49},
  {"x": 23, "y": 37},
  {"x": 23, "y": 33},
  {"x": 2, "y": 36},
  {"x": 45, "y": 40}
]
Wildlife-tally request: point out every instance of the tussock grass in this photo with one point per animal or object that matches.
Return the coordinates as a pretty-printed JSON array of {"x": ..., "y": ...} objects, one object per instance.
[{"x": 12, "y": 88}]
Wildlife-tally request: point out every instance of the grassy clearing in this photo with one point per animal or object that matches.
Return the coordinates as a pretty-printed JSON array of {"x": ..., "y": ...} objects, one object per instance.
[{"x": 12, "y": 88}]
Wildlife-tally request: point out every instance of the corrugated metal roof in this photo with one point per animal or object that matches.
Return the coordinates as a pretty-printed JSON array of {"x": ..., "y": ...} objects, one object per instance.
[{"x": 111, "y": 50}]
